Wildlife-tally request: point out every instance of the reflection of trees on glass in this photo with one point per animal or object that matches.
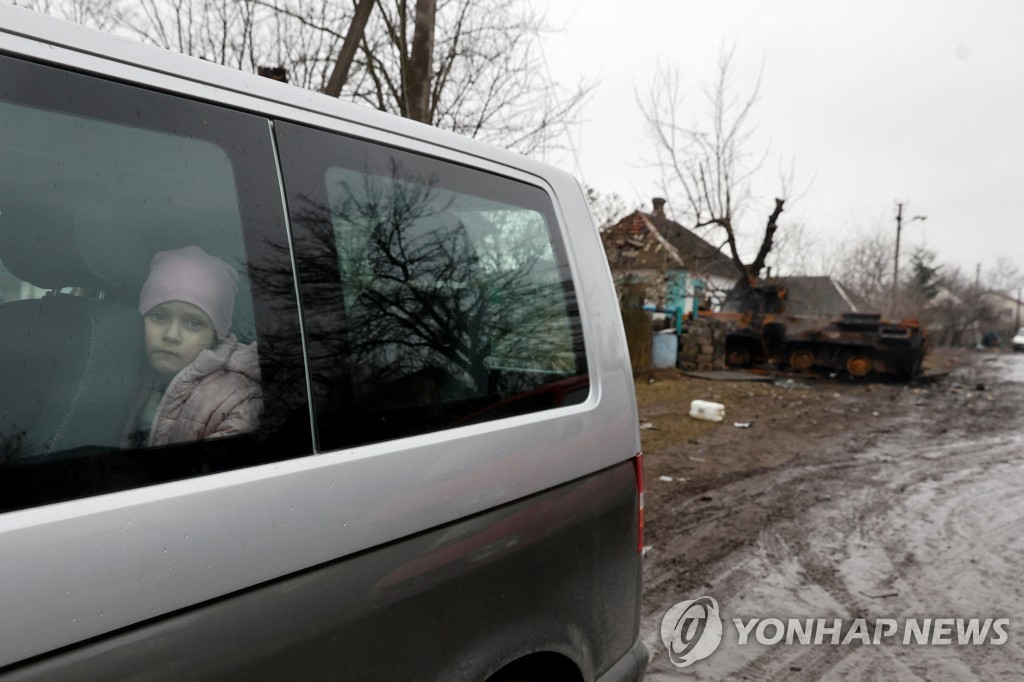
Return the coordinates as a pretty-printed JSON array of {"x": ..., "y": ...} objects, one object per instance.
[
  {"x": 417, "y": 329},
  {"x": 425, "y": 304},
  {"x": 450, "y": 281},
  {"x": 280, "y": 348},
  {"x": 360, "y": 204},
  {"x": 530, "y": 325}
]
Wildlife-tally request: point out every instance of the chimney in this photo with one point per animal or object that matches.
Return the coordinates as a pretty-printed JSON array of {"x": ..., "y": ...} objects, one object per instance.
[{"x": 659, "y": 207}]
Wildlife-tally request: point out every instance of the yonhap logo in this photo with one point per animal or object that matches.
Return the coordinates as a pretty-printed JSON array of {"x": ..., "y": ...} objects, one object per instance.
[{"x": 691, "y": 631}]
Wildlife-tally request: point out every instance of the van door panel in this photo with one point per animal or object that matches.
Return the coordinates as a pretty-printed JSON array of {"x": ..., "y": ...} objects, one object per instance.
[{"x": 555, "y": 572}]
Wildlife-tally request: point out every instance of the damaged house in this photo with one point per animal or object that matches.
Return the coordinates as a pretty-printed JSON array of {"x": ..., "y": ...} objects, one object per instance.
[
  {"x": 678, "y": 269},
  {"x": 680, "y": 273}
]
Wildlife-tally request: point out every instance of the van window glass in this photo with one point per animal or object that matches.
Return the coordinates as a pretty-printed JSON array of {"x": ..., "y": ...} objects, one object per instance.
[
  {"x": 434, "y": 295},
  {"x": 113, "y": 198}
]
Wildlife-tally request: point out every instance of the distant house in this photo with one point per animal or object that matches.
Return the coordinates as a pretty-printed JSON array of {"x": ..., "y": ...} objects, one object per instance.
[
  {"x": 1005, "y": 312},
  {"x": 677, "y": 267},
  {"x": 814, "y": 296},
  {"x": 956, "y": 321}
]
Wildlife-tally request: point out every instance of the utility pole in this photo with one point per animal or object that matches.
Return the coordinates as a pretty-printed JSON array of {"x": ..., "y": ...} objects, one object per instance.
[
  {"x": 896, "y": 258},
  {"x": 978, "y": 337}
]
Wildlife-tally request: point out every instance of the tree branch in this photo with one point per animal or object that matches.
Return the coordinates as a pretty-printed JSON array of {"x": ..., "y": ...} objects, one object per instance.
[{"x": 754, "y": 271}]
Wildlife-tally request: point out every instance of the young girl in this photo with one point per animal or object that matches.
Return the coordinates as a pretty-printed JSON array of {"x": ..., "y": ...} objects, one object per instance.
[{"x": 203, "y": 382}]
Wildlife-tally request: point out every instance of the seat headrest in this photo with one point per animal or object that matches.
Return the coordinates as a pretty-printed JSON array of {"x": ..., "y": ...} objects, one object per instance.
[{"x": 48, "y": 245}]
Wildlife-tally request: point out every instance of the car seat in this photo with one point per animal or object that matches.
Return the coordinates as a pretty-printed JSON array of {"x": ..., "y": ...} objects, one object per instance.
[{"x": 70, "y": 363}]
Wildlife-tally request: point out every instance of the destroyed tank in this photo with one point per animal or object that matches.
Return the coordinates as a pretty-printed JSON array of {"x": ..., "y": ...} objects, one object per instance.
[{"x": 759, "y": 331}]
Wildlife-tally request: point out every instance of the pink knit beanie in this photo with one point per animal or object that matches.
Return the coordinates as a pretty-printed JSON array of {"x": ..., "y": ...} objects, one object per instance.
[{"x": 193, "y": 276}]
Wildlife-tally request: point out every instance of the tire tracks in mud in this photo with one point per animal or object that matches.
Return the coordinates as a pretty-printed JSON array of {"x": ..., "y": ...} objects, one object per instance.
[{"x": 920, "y": 515}]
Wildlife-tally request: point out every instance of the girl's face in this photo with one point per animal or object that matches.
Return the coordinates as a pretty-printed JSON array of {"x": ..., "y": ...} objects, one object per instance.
[{"x": 176, "y": 332}]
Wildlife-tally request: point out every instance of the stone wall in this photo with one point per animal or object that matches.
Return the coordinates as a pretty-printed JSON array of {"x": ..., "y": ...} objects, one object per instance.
[{"x": 702, "y": 345}]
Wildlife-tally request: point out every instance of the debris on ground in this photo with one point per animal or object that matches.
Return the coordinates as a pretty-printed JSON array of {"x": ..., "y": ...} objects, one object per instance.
[
  {"x": 707, "y": 410},
  {"x": 746, "y": 495}
]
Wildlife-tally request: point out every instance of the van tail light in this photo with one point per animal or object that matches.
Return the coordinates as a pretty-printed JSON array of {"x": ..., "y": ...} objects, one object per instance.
[{"x": 638, "y": 466}]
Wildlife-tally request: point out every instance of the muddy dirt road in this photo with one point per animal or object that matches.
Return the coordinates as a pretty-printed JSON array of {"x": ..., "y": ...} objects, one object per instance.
[{"x": 841, "y": 500}]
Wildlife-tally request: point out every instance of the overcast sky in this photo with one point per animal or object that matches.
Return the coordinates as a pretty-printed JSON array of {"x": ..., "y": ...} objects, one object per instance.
[{"x": 874, "y": 101}]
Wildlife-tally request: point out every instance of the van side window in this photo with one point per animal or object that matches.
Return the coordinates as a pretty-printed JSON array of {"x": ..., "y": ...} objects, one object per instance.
[
  {"x": 434, "y": 295},
  {"x": 97, "y": 179}
]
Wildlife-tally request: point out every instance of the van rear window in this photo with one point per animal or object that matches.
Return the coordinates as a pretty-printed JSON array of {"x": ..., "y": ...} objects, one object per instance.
[{"x": 434, "y": 295}]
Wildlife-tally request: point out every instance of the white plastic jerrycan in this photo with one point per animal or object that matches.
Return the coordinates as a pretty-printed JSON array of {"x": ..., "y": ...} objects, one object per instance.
[{"x": 707, "y": 410}]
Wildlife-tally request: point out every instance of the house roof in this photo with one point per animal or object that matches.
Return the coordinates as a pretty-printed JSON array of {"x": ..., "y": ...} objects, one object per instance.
[
  {"x": 814, "y": 296},
  {"x": 1004, "y": 297},
  {"x": 1002, "y": 303},
  {"x": 650, "y": 241}
]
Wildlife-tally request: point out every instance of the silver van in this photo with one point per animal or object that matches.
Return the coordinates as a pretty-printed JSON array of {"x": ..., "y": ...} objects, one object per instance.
[{"x": 444, "y": 479}]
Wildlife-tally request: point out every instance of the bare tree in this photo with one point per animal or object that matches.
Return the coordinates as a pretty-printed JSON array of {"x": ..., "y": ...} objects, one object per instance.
[
  {"x": 218, "y": 32},
  {"x": 1005, "y": 277},
  {"x": 606, "y": 208},
  {"x": 710, "y": 166},
  {"x": 106, "y": 16},
  {"x": 865, "y": 268},
  {"x": 958, "y": 311},
  {"x": 298, "y": 35},
  {"x": 485, "y": 79},
  {"x": 798, "y": 251},
  {"x": 471, "y": 66},
  {"x": 418, "y": 78},
  {"x": 348, "y": 49},
  {"x": 948, "y": 303}
]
